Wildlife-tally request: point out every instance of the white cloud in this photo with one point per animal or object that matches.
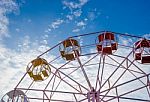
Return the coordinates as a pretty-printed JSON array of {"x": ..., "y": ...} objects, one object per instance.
[
  {"x": 83, "y": 2},
  {"x": 29, "y": 20},
  {"x": 73, "y": 5},
  {"x": 3, "y": 25},
  {"x": 75, "y": 8},
  {"x": 6, "y": 7},
  {"x": 85, "y": 19},
  {"x": 81, "y": 23},
  {"x": 69, "y": 17},
  {"x": 80, "y": 26},
  {"x": 14, "y": 62},
  {"x": 93, "y": 14},
  {"x": 147, "y": 36},
  {"x": 55, "y": 24},
  {"x": 77, "y": 13},
  {"x": 48, "y": 30},
  {"x": 75, "y": 30},
  {"x": 17, "y": 30}
]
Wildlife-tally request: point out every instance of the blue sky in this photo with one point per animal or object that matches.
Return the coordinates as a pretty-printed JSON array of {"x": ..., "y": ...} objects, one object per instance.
[
  {"x": 35, "y": 17},
  {"x": 29, "y": 27}
]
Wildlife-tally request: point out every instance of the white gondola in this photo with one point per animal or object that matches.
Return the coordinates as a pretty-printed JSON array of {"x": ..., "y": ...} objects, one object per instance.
[{"x": 15, "y": 96}]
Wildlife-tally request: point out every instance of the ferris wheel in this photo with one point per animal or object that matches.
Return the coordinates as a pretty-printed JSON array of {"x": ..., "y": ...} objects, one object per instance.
[{"x": 102, "y": 66}]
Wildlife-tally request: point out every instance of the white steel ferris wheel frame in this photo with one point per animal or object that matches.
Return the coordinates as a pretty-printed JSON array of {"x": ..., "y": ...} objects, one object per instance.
[{"x": 106, "y": 88}]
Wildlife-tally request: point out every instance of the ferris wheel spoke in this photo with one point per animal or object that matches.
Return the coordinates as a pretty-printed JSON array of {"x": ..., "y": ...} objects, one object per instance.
[
  {"x": 148, "y": 83},
  {"x": 53, "y": 87},
  {"x": 142, "y": 72},
  {"x": 82, "y": 65},
  {"x": 50, "y": 49},
  {"x": 44, "y": 94},
  {"x": 117, "y": 94},
  {"x": 122, "y": 66},
  {"x": 116, "y": 70},
  {"x": 71, "y": 79},
  {"x": 54, "y": 75},
  {"x": 55, "y": 59},
  {"x": 131, "y": 71},
  {"x": 84, "y": 73},
  {"x": 79, "y": 85},
  {"x": 70, "y": 74},
  {"x": 102, "y": 72},
  {"x": 119, "y": 77},
  {"x": 82, "y": 100},
  {"x": 61, "y": 79},
  {"x": 127, "y": 82},
  {"x": 99, "y": 80},
  {"x": 50, "y": 80},
  {"x": 68, "y": 83},
  {"x": 99, "y": 66},
  {"x": 29, "y": 86},
  {"x": 59, "y": 84},
  {"x": 131, "y": 92},
  {"x": 124, "y": 98},
  {"x": 138, "y": 67},
  {"x": 66, "y": 76},
  {"x": 75, "y": 97}
]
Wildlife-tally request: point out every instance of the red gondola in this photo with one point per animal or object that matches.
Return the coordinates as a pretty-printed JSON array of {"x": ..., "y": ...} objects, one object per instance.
[
  {"x": 142, "y": 51},
  {"x": 107, "y": 43}
]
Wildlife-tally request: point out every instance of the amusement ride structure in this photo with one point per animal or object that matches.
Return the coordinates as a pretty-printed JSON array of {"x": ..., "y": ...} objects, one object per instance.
[{"x": 102, "y": 66}]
